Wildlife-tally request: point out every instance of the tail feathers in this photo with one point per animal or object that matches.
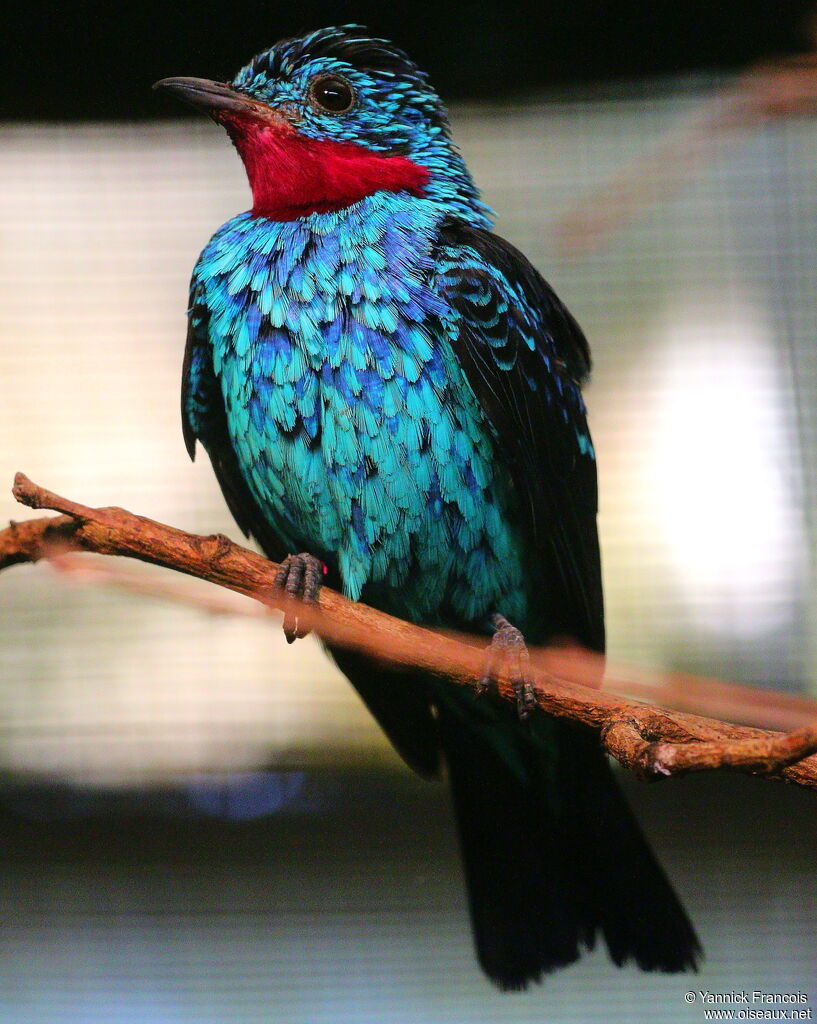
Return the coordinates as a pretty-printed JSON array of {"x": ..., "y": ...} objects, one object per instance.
[
  {"x": 630, "y": 899},
  {"x": 553, "y": 854},
  {"x": 514, "y": 867}
]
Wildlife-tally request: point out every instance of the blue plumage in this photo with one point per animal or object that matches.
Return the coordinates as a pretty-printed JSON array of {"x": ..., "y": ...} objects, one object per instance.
[
  {"x": 381, "y": 381},
  {"x": 321, "y": 335}
]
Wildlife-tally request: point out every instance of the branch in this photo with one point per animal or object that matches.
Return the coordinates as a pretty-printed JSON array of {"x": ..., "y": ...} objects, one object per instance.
[
  {"x": 651, "y": 742},
  {"x": 700, "y": 695}
]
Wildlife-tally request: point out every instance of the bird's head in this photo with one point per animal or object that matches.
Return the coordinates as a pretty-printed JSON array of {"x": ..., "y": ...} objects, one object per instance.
[{"x": 326, "y": 119}]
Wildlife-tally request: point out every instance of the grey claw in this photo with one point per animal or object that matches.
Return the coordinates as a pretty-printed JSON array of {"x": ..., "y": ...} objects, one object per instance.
[
  {"x": 299, "y": 576},
  {"x": 508, "y": 646},
  {"x": 525, "y": 700}
]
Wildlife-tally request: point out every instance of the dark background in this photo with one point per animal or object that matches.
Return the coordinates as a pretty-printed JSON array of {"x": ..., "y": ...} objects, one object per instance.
[{"x": 90, "y": 60}]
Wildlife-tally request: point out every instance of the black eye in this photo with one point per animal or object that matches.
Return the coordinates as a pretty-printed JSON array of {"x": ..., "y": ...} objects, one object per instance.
[{"x": 333, "y": 94}]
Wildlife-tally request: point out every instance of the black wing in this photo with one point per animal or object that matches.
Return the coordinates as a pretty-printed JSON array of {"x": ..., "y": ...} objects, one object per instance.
[{"x": 525, "y": 358}]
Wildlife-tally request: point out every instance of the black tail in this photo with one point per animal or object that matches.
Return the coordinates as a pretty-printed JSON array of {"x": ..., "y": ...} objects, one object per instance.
[{"x": 553, "y": 854}]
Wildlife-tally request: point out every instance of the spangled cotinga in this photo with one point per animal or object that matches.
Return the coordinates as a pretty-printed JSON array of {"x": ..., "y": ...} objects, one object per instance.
[{"x": 390, "y": 389}]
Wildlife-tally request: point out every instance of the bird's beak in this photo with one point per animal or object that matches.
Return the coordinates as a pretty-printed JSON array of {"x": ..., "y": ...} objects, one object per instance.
[{"x": 219, "y": 100}]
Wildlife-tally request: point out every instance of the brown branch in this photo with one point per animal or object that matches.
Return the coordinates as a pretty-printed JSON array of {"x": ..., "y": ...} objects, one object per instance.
[
  {"x": 700, "y": 695},
  {"x": 651, "y": 742}
]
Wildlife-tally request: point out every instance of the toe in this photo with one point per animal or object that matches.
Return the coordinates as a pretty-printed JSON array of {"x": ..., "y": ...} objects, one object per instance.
[
  {"x": 508, "y": 648},
  {"x": 280, "y": 580},
  {"x": 300, "y": 577},
  {"x": 313, "y": 578},
  {"x": 525, "y": 700},
  {"x": 295, "y": 576}
]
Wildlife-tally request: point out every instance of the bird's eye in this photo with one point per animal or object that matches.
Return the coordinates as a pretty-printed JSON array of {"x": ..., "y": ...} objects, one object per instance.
[{"x": 331, "y": 93}]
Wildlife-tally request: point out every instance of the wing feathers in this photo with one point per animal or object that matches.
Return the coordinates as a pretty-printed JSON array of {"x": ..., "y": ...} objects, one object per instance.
[{"x": 525, "y": 358}]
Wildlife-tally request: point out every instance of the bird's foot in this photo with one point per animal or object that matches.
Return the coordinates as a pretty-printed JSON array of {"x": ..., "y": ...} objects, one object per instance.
[
  {"x": 301, "y": 577},
  {"x": 508, "y": 648}
]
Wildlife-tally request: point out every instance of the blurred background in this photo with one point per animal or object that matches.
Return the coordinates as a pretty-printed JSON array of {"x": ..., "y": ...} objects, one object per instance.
[{"x": 201, "y": 823}]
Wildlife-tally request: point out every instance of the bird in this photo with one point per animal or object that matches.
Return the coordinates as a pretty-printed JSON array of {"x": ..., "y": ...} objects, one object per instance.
[{"x": 390, "y": 395}]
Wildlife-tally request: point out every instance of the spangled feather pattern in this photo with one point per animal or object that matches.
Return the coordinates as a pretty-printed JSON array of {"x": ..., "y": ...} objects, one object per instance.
[
  {"x": 396, "y": 390},
  {"x": 526, "y": 358},
  {"x": 348, "y": 413}
]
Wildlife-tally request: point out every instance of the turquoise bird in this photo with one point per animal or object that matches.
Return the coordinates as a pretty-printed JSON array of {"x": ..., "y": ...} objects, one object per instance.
[{"x": 390, "y": 395}]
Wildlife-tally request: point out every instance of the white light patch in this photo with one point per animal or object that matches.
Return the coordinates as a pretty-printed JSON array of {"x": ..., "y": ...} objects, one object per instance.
[{"x": 722, "y": 473}]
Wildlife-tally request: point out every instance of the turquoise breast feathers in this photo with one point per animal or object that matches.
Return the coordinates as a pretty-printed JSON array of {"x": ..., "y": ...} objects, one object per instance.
[{"x": 350, "y": 417}]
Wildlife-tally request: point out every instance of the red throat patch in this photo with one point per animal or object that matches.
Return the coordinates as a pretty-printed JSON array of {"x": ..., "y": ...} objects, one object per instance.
[{"x": 292, "y": 175}]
